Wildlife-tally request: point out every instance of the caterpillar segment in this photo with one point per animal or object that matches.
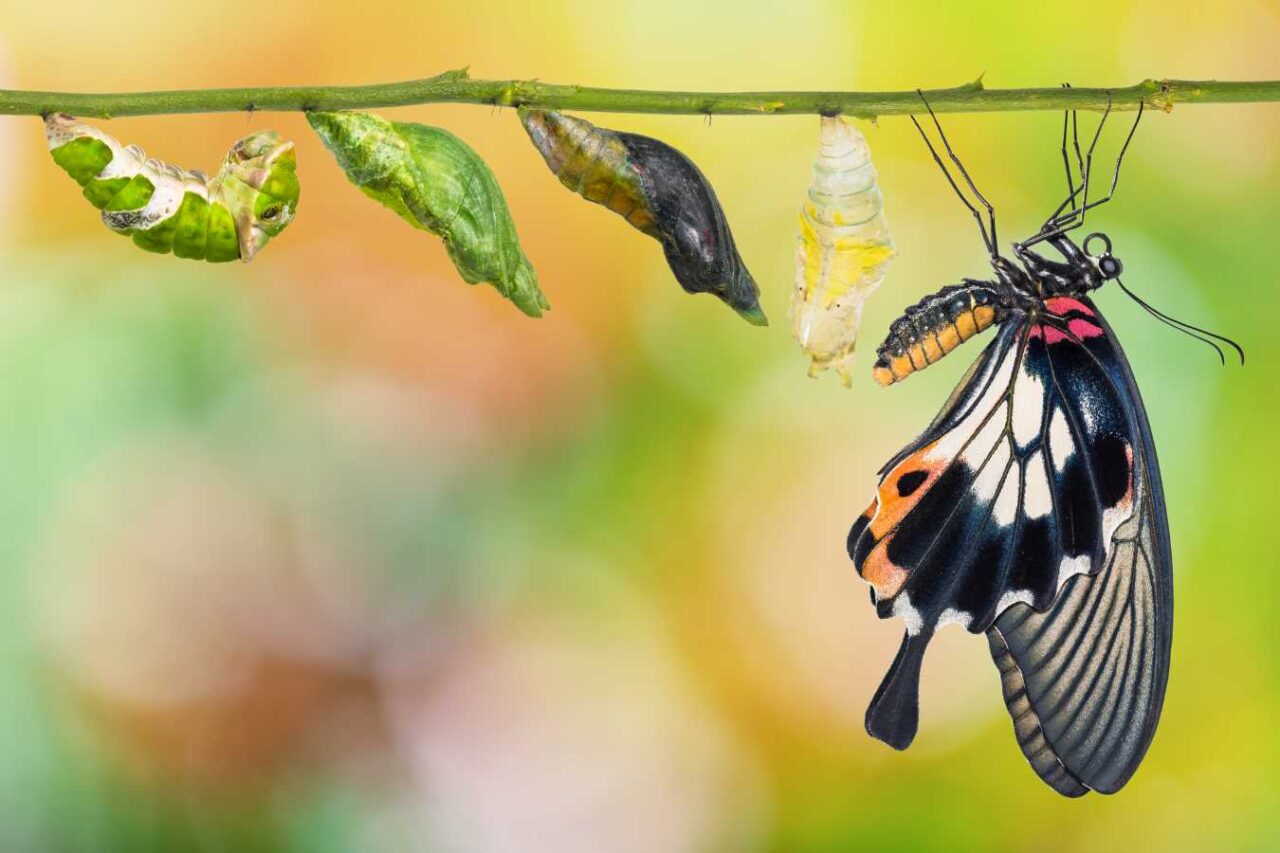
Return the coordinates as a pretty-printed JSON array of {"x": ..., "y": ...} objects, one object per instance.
[
  {"x": 165, "y": 208},
  {"x": 934, "y": 326}
]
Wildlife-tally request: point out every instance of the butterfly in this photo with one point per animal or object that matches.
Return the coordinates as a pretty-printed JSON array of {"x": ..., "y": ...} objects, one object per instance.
[{"x": 1031, "y": 508}]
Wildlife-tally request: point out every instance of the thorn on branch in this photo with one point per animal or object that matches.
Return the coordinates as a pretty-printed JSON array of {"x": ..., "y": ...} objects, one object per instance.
[{"x": 974, "y": 86}]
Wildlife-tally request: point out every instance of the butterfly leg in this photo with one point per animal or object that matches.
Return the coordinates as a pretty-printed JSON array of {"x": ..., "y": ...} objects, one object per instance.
[
  {"x": 1060, "y": 223},
  {"x": 1115, "y": 179},
  {"x": 894, "y": 712},
  {"x": 1069, "y": 120},
  {"x": 988, "y": 237}
]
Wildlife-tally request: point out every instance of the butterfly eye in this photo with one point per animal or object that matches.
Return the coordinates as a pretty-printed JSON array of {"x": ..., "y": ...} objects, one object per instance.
[{"x": 1110, "y": 266}]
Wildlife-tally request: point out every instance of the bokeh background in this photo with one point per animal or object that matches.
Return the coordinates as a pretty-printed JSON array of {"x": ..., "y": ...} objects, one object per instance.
[{"x": 334, "y": 552}]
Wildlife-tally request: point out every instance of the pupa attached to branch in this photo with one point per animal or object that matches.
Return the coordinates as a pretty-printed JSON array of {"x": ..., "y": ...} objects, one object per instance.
[
  {"x": 435, "y": 182},
  {"x": 165, "y": 208},
  {"x": 658, "y": 191},
  {"x": 843, "y": 250}
]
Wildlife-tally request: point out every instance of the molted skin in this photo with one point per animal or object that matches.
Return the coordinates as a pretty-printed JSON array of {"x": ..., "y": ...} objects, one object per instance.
[
  {"x": 165, "y": 208},
  {"x": 660, "y": 192},
  {"x": 842, "y": 252},
  {"x": 435, "y": 182}
]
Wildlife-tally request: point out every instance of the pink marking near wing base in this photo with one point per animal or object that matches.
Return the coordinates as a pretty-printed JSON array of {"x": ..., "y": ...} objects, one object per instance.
[
  {"x": 1077, "y": 327},
  {"x": 1052, "y": 334},
  {"x": 1062, "y": 305},
  {"x": 1083, "y": 329}
]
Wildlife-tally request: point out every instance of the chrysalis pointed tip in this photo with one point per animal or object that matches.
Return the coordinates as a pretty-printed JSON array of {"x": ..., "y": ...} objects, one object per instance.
[
  {"x": 754, "y": 315},
  {"x": 530, "y": 302}
]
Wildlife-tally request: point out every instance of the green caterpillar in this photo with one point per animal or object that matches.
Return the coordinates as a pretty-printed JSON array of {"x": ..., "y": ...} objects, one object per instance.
[{"x": 164, "y": 208}]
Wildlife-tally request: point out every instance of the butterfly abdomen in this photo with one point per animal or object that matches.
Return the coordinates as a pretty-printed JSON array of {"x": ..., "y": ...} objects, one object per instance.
[
  {"x": 164, "y": 208},
  {"x": 934, "y": 326}
]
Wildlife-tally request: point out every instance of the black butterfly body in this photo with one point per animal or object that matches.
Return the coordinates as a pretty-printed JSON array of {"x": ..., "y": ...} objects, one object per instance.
[{"x": 1031, "y": 509}]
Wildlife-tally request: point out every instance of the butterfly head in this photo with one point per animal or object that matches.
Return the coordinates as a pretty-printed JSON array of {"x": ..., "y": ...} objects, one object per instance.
[{"x": 1107, "y": 264}]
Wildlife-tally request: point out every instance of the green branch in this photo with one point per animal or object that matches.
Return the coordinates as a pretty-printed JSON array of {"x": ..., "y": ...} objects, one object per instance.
[{"x": 458, "y": 87}]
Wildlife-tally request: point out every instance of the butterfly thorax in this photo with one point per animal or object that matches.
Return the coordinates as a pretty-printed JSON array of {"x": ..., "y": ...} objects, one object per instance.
[
  {"x": 940, "y": 322},
  {"x": 1076, "y": 274}
]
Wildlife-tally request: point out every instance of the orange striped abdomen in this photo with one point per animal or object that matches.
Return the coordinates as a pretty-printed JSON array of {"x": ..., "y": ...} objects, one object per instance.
[{"x": 935, "y": 326}]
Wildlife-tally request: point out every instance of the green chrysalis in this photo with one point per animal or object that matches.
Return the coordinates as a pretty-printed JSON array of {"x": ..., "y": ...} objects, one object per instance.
[
  {"x": 164, "y": 208},
  {"x": 437, "y": 183}
]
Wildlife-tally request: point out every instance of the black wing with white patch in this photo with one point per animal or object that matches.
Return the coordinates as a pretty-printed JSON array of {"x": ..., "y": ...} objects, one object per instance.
[
  {"x": 1036, "y": 484},
  {"x": 1085, "y": 680}
]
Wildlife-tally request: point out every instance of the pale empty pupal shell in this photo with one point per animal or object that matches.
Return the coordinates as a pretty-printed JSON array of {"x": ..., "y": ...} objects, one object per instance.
[{"x": 842, "y": 252}]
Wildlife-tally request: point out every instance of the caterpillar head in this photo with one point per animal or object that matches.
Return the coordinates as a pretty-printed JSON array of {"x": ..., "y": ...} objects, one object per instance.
[{"x": 261, "y": 185}]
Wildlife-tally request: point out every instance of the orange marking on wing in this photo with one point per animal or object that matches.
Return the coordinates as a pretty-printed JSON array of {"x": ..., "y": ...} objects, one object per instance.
[
  {"x": 886, "y": 577},
  {"x": 892, "y": 504},
  {"x": 870, "y": 511}
]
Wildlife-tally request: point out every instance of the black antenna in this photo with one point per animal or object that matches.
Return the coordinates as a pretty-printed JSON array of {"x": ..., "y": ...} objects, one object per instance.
[{"x": 1186, "y": 328}]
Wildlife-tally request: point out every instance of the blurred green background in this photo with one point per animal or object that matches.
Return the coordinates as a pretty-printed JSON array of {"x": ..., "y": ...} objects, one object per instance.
[{"x": 333, "y": 552}]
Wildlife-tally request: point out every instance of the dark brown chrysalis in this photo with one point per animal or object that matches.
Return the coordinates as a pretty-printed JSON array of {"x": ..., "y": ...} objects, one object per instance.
[{"x": 660, "y": 192}]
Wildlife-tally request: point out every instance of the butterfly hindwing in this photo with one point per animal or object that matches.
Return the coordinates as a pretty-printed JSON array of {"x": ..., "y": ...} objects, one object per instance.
[
  {"x": 1018, "y": 506},
  {"x": 1084, "y": 681}
]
